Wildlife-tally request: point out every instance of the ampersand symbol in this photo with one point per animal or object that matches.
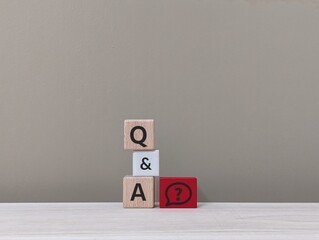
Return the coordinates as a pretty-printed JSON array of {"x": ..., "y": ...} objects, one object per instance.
[{"x": 144, "y": 165}]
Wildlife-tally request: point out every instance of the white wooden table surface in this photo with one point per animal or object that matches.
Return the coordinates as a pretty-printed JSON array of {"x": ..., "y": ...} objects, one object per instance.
[{"x": 110, "y": 221}]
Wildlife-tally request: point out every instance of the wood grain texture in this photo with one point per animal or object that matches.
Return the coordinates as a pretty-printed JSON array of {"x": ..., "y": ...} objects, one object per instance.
[
  {"x": 148, "y": 125},
  {"x": 110, "y": 221},
  {"x": 145, "y": 189}
]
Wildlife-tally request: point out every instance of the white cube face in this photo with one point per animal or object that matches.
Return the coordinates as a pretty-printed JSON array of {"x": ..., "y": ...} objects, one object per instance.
[{"x": 146, "y": 163}]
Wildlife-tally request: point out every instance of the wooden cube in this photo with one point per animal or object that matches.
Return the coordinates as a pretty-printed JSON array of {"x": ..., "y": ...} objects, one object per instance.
[
  {"x": 178, "y": 192},
  {"x": 146, "y": 163},
  {"x": 139, "y": 134},
  {"x": 138, "y": 192}
]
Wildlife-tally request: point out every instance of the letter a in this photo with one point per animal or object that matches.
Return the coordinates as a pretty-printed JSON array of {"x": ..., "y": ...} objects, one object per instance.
[{"x": 138, "y": 186}]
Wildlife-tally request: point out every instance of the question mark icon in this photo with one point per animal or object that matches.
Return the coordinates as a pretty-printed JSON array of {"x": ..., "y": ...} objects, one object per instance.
[{"x": 179, "y": 191}]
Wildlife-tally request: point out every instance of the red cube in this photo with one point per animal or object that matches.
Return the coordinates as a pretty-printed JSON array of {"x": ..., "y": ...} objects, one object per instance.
[{"x": 178, "y": 192}]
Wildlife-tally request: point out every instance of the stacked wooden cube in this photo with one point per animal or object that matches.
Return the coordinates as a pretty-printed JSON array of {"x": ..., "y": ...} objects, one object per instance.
[{"x": 139, "y": 189}]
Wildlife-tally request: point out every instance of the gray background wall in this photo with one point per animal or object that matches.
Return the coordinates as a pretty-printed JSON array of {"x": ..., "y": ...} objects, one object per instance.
[{"x": 233, "y": 87}]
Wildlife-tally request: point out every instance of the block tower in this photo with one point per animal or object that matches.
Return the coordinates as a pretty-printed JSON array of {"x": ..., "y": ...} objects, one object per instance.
[{"x": 139, "y": 189}]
